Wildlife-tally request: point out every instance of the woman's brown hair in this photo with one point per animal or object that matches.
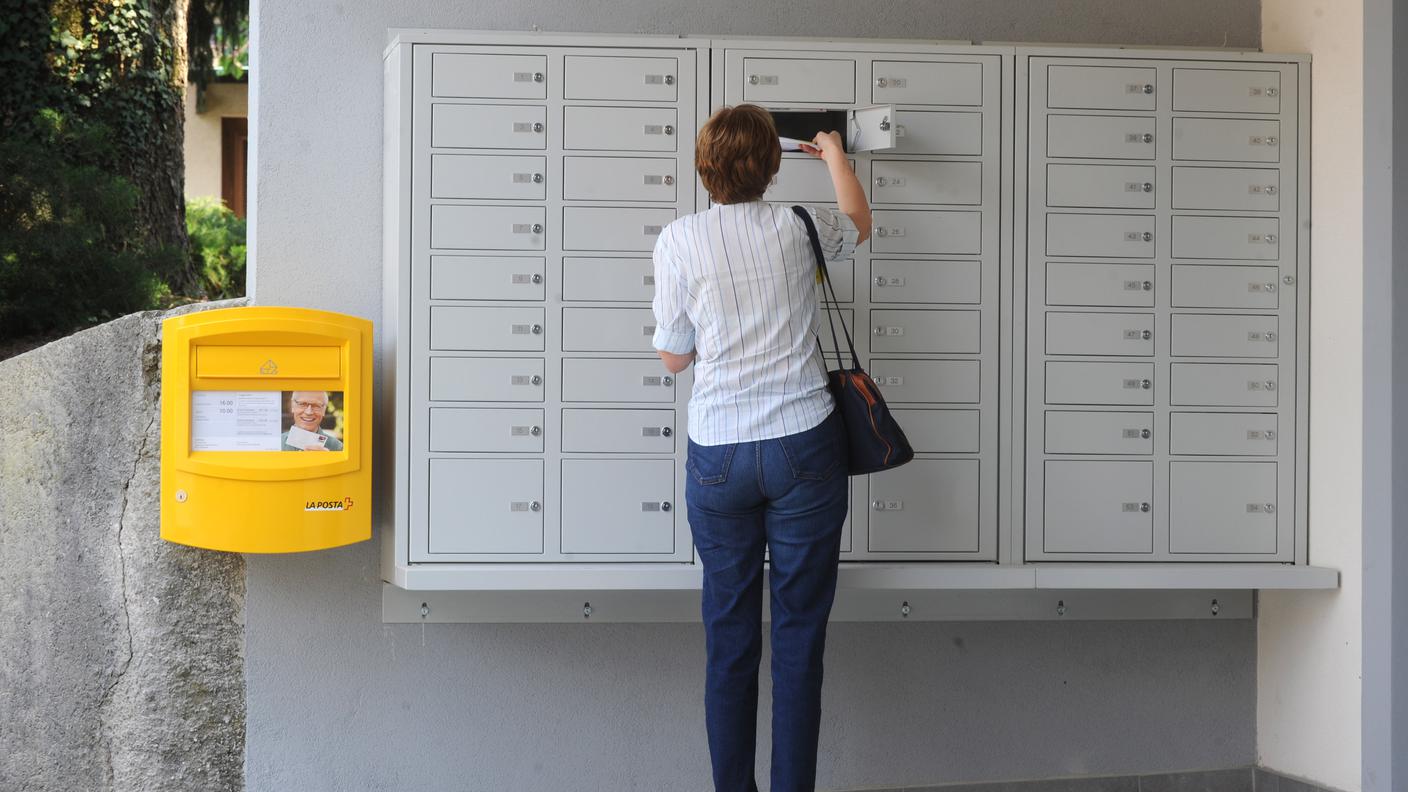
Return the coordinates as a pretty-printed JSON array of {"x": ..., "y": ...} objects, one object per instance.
[{"x": 737, "y": 154}]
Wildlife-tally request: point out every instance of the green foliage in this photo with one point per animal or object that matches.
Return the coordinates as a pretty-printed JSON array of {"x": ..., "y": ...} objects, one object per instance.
[
  {"x": 217, "y": 247},
  {"x": 70, "y": 251},
  {"x": 217, "y": 40},
  {"x": 92, "y": 219}
]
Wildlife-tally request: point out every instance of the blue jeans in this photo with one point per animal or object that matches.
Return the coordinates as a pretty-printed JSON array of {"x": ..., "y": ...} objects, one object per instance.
[{"x": 788, "y": 495}]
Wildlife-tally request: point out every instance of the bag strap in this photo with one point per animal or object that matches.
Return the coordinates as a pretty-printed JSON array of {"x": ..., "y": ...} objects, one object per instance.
[{"x": 830, "y": 304}]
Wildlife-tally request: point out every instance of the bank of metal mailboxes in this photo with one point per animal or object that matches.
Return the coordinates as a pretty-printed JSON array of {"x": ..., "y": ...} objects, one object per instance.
[
  {"x": 1129, "y": 386},
  {"x": 1164, "y": 261},
  {"x": 538, "y": 423},
  {"x": 925, "y": 290}
]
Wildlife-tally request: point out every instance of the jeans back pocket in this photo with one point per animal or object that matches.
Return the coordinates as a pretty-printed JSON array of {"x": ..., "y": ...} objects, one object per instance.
[
  {"x": 709, "y": 464},
  {"x": 816, "y": 453}
]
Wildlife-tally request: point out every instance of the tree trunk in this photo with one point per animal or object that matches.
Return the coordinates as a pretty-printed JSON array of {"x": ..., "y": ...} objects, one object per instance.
[{"x": 159, "y": 169}]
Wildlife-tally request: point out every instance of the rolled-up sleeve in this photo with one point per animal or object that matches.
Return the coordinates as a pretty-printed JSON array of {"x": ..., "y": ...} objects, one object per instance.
[
  {"x": 674, "y": 332},
  {"x": 837, "y": 232}
]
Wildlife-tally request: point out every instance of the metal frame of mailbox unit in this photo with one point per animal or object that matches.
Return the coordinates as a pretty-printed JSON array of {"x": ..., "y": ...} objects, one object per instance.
[{"x": 499, "y": 348}]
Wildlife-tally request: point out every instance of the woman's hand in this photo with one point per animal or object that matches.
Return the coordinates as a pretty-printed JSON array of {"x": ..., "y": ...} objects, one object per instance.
[{"x": 826, "y": 146}]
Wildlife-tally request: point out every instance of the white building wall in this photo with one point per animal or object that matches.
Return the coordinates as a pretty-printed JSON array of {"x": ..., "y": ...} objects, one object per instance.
[
  {"x": 1309, "y": 644},
  {"x": 203, "y": 162}
]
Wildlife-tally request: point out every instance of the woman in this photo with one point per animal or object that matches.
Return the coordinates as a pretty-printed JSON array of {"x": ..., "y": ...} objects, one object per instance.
[{"x": 735, "y": 294}]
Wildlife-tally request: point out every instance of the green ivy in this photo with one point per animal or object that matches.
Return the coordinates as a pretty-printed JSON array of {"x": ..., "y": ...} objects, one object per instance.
[{"x": 117, "y": 64}]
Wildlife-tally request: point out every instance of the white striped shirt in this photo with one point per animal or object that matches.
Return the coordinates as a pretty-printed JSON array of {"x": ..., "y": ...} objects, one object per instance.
[{"x": 737, "y": 284}]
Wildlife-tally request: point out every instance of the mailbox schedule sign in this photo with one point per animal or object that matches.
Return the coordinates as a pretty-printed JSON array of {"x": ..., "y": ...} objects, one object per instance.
[{"x": 266, "y": 420}]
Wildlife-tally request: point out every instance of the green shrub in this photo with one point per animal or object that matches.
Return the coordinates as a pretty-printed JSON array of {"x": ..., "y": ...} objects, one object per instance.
[
  {"x": 217, "y": 248},
  {"x": 71, "y": 254}
]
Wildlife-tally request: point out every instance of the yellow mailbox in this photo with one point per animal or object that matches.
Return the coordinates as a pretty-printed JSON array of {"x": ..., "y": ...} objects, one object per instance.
[{"x": 266, "y": 429}]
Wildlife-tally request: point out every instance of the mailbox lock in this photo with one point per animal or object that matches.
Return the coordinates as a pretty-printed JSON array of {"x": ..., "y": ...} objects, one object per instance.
[
  {"x": 904, "y": 609},
  {"x": 537, "y": 278},
  {"x": 1144, "y": 507},
  {"x": 586, "y": 610},
  {"x": 879, "y": 280},
  {"x": 669, "y": 129},
  {"x": 537, "y": 76},
  {"x": 1270, "y": 239},
  {"x": 1148, "y": 186},
  {"x": 1148, "y": 285},
  {"x": 1145, "y": 384},
  {"x": 1145, "y": 433},
  {"x": 1289, "y": 280},
  {"x": 666, "y": 431},
  {"x": 537, "y": 126},
  {"x": 1147, "y": 137},
  {"x": 1270, "y": 434},
  {"x": 1146, "y": 335},
  {"x": 1147, "y": 236},
  {"x": 535, "y": 506},
  {"x": 180, "y": 496},
  {"x": 885, "y": 124},
  {"x": 535, "y": 431},
  {"x": 752, "y": 79},
  {"x": 1148, "y": 89},
  {"x": 665, "y": 506},
  {"x": 537, "y": 329},
  {"x": 667, "y": 380},
  {"x": 537, "y": 228},
  {"x": 537, "y": 178},
  {"x": 1270, "y": 385},
  {"x": 1215, "y": 607},
  {"x": 879, "y": 181},
  {"x": 537, "y": 379},
  {"x": 669, "y": 79},
  {"x": 1060, "y": 607},
  {"x": 881, "y": 82},
  {"x": 669, "y": 180},
  {"x": 1270, "y": 336}
]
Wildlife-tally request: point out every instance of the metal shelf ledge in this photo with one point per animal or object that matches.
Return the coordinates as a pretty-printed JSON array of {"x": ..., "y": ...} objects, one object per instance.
[{"x": 561, "y": 593}]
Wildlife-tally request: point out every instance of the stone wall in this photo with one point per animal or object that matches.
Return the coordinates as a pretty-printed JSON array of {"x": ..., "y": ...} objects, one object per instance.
[{"x": 121, "y": 656}]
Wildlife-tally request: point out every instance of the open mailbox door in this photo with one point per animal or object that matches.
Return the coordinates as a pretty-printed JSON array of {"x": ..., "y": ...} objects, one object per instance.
[{"x": 870, "y": 128}]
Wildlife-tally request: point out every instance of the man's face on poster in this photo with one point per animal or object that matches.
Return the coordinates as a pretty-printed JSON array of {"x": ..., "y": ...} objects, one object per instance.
[{"x": 308, "y": 408}]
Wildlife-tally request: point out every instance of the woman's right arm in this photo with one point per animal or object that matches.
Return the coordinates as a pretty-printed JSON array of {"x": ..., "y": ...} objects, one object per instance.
[{"x": 850, "y": 196}]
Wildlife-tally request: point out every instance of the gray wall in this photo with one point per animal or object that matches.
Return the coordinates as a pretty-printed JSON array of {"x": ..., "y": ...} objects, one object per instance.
[
  {"x": 1385, "y": 686},
  {"x": 338, "y": 701}
]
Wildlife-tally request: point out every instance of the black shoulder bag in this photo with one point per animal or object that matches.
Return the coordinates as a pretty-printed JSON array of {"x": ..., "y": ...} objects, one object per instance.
[{"x": 876, "y": 441}]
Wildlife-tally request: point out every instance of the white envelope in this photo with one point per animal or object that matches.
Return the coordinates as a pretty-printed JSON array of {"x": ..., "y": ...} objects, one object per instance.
[{"x": 306, "y": 440}]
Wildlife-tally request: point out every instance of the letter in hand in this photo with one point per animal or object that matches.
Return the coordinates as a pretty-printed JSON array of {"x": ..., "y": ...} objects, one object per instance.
[{"x": 825, "y": 146}]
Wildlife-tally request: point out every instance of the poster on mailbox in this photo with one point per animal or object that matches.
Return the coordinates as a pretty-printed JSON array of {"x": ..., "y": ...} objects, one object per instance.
[{"x": 267, "y": 420}]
